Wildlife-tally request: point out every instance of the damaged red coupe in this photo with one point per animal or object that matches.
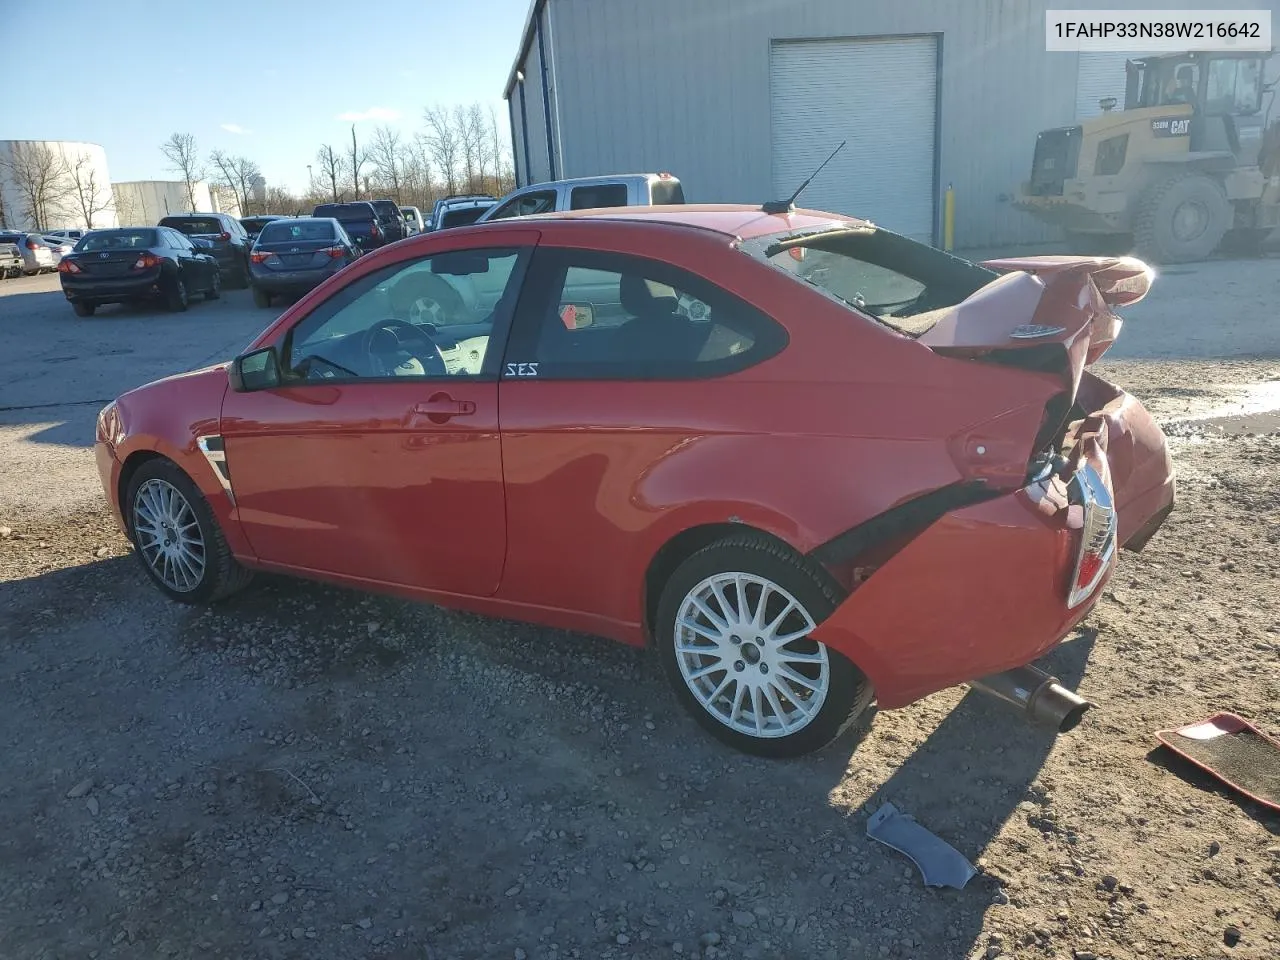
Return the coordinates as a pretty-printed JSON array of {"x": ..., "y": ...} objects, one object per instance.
[{"x": 812, "y": 462}]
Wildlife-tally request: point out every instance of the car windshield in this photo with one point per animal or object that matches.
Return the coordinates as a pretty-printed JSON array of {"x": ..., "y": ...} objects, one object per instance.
[
  {"x": 904, "y": 284},
  {"x": 281, "y": 231},
  {"x": 193, "y": 226},
  {"x": 131, "y": 239},
  {"x": 346, "y": 212}
]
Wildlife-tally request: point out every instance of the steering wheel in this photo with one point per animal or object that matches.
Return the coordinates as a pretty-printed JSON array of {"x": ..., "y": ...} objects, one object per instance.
[{"x": 402, "y": 332}]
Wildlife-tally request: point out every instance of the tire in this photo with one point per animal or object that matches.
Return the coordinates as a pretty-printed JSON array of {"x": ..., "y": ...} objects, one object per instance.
[
  {"x": 83, "y": 309},
  {"x": 219, "y": 575},
  {"x": 241, "y": 276},
  {"x": 840, "y": 689},
  {"x": 261, "y": 298},
  {"x": 1182, "y": 219},
  {"x": 215, "y": 291},
  {"x": 1246, "y": 242},
  {"x": 176, "y": 299}
]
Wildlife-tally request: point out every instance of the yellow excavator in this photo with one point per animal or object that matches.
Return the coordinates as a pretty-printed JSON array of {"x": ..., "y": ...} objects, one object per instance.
[{"x": 1190, "y": 165}]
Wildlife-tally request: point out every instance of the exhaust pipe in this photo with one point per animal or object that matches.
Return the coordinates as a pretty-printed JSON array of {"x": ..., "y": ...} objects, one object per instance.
[{"x": 1038, "y": 695}]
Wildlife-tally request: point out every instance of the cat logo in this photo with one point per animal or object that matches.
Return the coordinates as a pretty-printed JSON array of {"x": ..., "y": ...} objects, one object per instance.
[{"x": 1171, "y": 127}]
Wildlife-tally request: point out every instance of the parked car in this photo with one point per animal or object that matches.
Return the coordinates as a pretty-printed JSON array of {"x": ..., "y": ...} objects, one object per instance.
[
  {"x": 292, "y": 256},
  {"x": 413, "y": 217},
  {"x": 72, "y": 235},
  {"x": 133, "y": 264},
  {"x": 885, "y": 474},
  {"x": 358, "y": 219},
  {"x": 391, "y": 219},
  {"x": 11, "y": 263},
  {"x": 60, "y": 246},
  {"x": 229, "y": 241},
  {"x": 253, "y": 225},
  {"x": 460, "y": 210},
  {"x": 38, "y": 254},
  {"x": 586, "y": 193}
]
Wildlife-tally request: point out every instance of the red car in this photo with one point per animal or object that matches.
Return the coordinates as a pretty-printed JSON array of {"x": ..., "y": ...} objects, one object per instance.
[{"x": 811, "y": 461}]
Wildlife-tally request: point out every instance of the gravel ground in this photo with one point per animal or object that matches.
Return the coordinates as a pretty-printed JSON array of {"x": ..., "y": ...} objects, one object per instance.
[{"x": 310, "y": 772}]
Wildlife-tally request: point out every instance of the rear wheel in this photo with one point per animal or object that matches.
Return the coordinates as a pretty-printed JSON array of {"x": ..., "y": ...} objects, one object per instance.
[
  {"x": 176, "y": 298},
  {"x": 1182, "y": 219},
  {"x": 261, "y": 298},
  {"x": 177, "y": 538},
  {"x": 83, "y": 308},
  {"x": 241, "y": 276},
  {"x": 733, "y": 631}
]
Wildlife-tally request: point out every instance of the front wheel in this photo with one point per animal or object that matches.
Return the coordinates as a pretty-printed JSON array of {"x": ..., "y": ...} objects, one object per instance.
[
  {"x": 261, "y": 298},
  {"x": 177, "y": 537},
  {"x": 83, "y": 309},
  {"x": 215, "y": 286},
  {"x": 733, "y": 631}
]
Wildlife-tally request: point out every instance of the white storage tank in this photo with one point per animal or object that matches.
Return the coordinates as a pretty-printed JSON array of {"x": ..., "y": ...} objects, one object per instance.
[{"x": 54, "y": 185}]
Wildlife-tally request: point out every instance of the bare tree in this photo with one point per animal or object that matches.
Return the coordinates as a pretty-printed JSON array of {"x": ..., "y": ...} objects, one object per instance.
[
  {"x": 238, "y": 175},
  {"x": 280, "y": 200},
  {"x": 40, "y": 176},
  {"x": 441, "y": 142},
  {"x": 469, "y": 144},
  {"x": 4, "y": 212},
  {"x": 356, "y": 158},
  {"x": 184, "y": 159},
  {"x": 331, "y": 167},
  {"x": 388, "y": 161},
  {"x": 92, "y": 196}
]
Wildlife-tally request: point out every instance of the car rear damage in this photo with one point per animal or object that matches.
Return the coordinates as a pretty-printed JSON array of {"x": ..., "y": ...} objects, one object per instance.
[{"x": 981, "y": 578}]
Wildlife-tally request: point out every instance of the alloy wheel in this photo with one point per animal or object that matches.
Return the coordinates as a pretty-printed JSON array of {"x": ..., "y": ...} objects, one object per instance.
[
  {"x": 743, "y": 649},
  {"x": 168, "y": 535}
]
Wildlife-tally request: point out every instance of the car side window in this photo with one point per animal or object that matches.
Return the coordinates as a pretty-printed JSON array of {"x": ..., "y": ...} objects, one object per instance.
[
  {"x": 592, "y": 315},
  {"x": 440, "y": 316},
  {"x": 598, "y": 195},
  {"x": 526, "y": 205}
]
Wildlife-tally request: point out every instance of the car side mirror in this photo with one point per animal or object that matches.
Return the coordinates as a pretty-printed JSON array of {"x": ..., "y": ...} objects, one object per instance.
[{"x": 259, "y": 370}]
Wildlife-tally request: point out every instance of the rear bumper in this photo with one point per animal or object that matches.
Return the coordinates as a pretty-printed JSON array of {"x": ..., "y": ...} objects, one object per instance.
[
  {"x": 985, "y": 588},
  {"x": 113, "y": 289},
  {"x": 289, "y": 281},
  {"x": 1097, "y": 205}
]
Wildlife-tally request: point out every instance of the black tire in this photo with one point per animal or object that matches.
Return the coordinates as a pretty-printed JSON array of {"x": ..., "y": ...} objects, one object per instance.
[
  {"x": 175, "y": 297},
  {"x": 240, "y": 276},
  {"x": 83, "y": 309},
  {"x": 1246, "y": 242},
  {"x": 215, "y": 290},
  {"x": 222, "y": 575},
  {"x": 848, "y": 691},
  {"x": 1156, "y": 226},
  {"x": 261, "y": 298}
]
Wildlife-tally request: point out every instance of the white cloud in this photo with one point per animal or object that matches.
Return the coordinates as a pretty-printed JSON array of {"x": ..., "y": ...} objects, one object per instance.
[
  {"x": 373, "y": 113},
  {"x": 236, "y": 128}
]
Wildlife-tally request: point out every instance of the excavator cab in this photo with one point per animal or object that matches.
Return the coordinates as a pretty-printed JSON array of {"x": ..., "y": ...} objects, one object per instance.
[{"x": 1190, "y": 160}]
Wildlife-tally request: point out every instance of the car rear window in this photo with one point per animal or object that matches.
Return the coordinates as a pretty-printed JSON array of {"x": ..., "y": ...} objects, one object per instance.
[
  {"x": 194, "y": 226},
  {"x": 278, "y": 231},
  {"x": 664, "y": 192},
  {"x": 386, "y": 208},
  {"x": 347, "y": 212},
  {"x": 906, "y": 285},
  {"x": 460, "y": 218},
  {"x": 131, "y": 239},
  {"x": 598, "y": 195}
]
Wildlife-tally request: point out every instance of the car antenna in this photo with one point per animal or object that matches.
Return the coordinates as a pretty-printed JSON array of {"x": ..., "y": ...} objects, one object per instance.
[{"x": 789, "y": 204}]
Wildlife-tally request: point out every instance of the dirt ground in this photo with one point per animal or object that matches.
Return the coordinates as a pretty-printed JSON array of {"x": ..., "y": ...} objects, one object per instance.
[{"x": 310, "y": 772}]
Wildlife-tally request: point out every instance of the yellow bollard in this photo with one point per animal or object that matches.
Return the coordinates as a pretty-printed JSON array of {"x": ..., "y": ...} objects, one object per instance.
[{"x": 949, "y": 219}]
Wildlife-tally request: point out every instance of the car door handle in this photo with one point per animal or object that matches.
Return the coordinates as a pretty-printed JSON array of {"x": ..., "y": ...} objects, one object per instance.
[{"x": 441, "y": 407}]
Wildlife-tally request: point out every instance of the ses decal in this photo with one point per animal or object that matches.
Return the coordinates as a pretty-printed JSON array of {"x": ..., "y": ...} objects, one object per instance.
[
  {"x": 1171, "y": 127},
  {"x": 522, "y": 369}
]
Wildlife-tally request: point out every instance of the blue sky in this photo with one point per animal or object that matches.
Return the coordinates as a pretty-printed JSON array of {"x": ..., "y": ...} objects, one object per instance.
[{"x": 139, "y": 71}]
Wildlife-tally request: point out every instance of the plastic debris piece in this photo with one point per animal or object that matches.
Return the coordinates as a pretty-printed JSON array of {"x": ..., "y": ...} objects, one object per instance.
[{"x": 941, "y": 864}]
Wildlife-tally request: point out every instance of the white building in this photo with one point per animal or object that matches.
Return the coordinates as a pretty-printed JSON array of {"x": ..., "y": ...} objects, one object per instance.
[
  {"x": 144, "y": 202},
  {"x": 54, "y": 185}
]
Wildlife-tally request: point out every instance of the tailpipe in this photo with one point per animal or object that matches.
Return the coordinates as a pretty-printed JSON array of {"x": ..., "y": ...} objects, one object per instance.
[{"x": 1038, "y": 695}]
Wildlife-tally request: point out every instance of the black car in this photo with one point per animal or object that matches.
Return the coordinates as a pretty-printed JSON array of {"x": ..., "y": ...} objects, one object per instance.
[
  {"x": 230, "y": 241},
  {"x": 253, "y": 225},
  {"x": 393, "y": 222},
  {"x": 131, "y": 264},
  {"x": 292, "y": 256},
  {"x": 359, "y": 219}
]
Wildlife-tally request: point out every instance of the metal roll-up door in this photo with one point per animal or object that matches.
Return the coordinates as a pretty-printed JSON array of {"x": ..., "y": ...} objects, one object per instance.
[
  {"x": 1102, "y": 74},
  {"x": 879, "y": 94}
]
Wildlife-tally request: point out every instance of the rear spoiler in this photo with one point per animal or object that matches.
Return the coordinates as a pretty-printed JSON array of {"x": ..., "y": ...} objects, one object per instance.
[{"x": 1121, "y": 280}]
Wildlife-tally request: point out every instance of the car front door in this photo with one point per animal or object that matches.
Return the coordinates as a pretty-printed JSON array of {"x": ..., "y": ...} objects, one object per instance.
[{"x": 378, "y": 455}]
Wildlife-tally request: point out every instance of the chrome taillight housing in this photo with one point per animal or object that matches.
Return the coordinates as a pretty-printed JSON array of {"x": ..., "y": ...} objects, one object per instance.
[{"x": 1089, "y": 494}]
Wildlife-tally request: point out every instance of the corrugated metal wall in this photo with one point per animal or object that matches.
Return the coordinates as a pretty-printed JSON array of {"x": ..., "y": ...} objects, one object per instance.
[{"x": 684, "y": 86}]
